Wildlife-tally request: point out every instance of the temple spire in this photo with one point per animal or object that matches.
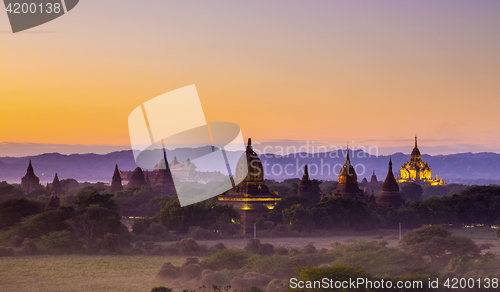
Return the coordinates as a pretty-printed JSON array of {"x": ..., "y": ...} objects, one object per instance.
[
  {"x": 165, "y": 158},
  {"x": 415, "y": 141},
  {"x": 306, "y": 173},
  {"x": 347, "y": 159},
  {"x": 30, "y": 168}
]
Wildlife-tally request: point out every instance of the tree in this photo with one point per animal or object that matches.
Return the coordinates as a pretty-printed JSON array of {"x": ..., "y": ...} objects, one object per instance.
[
  {"x": 40, "y": 224},
  {"x": 345, "y": 213},
  {"x": 438, "y": 245},
  {"x": 8, "y": 191},
  {"x": 205, "y": 215},
  {"x": 411, "y": 192},
  {"x": 14, "y": 210},
  {"x": 298, "y": 218},
  {"x": 94, "y": 222},
  {"x": 92, "y": 198}
]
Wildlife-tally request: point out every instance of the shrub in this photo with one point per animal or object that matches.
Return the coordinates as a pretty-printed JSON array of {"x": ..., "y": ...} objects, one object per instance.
[
  {"x": 191, "y": 269},
  {"x": 168, "y": 271},
  {"x": 188, "y": 246},
  {"x": 376, "y": 259},
  {"x": 140, "y": 225},
  {"x": 62, "y": 241},
  {"x": 159, "y": 232},
  {"x": 230, "y": 259},
  {"x": 280, "y": 250},
  {"x": 6, "y": 251},
  {"x": 309, "y": 248},
  {"x": 252, "y": 289},
  {"x": 211, "y": 278},
  {"x": 254, "y": 246},
  {"x": 277, "y": 285},
  {"x": 293, "y": 252},
  {"x": 199, "y": 233},
  {"x": 275, "y": 266},
  {"x": 161, "y": 289},
  {"x": 29, "y": 247},
  {"x": 110, "y": 243}
]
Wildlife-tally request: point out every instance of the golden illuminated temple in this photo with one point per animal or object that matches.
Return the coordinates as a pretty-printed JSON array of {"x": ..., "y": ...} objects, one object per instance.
[
  {"x": 417, "y": 171},
  {"x": 251, "y": 197}
]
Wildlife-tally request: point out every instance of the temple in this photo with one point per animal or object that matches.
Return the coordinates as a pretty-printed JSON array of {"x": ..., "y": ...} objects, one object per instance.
[
  {"x": 137, "y": 179},
  {"x": 306, "y": 187},
  {"x": 53, "y": 203},
  {"x": 116, "y": 181},
  {"x": 418, "y": 171},
  {"x": 390, "y": 196},
  {"x": 251, "y": 197},
  {"x": 348, "y": 183},
  {"x": 163, "y": 180},
  {"x": 30, "y": 181},
  {"x": 56, "y": 188}
]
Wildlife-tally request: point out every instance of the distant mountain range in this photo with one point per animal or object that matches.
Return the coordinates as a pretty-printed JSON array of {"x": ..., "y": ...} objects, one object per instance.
[{"x": 468, "y": 168}]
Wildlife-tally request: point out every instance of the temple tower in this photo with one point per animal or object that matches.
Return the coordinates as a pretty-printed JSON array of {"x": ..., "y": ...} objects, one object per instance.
[
  {"x": 348, "y": 181},
  {"x": 163, "y": 179},
  {"x": 373, "y": 184},
  {"x": 390, "y": 196},
  {"x": 116, "y": 181},
  {"x": 56, "y": 188},
  {"x": 416, "y": 170},
  {"x": 306, "y": 187},
  {"x": 30, "y": 181},
  {"x": 251, "y": 197},
  {"x": 137, "y": 179},
  {"x": 53, "y": 203}
]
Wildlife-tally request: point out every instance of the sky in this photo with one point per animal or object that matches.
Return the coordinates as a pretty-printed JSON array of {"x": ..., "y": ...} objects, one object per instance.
[{"x": 287, "y": 72}]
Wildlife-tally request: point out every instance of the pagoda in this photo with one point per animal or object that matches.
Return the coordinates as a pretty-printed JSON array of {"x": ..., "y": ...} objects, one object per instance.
[
  {"x": 306, "y": 187},
  {"x": 418, "y": 171},
  {"x": 348, "y": 181},
  {"x": 163, "y": 179},
  {"x": 251, "y": 197},
  {"x": 30, "y": 181},
  {"x": 373, "y": 184},
  {"x": 137, "y": 179},
  {"x": 53, "y": 203},
  {"x": 56, "y": 188},
  {"x": 390, "y": 196},
  {"x": 116, "y": 181}
]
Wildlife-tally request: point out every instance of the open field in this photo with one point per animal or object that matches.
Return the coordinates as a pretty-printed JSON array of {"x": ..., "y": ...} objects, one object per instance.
[{"x": 81, "y": 273}]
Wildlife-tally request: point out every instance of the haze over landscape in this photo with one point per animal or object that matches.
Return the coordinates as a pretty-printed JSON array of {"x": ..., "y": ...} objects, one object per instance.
[{"x": 285, "y": 71}]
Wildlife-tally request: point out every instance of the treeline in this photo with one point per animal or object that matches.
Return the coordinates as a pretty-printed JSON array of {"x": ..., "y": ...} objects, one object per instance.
[{"x": 476, "y": 205}]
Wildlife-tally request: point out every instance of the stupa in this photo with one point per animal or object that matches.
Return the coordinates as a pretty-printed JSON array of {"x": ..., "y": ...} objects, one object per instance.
[
  {"x": 251, "y": 197},
  {"x": 137, "y": 179},
  {"x": 116, "y": 181},
  {"x": 30, "y": 181},
  {"x": 56, "y": 188},
  {"x": 390, "y": 196},
  {"x": 163, "y": 179},
  {"x": 306, "y": 187}
]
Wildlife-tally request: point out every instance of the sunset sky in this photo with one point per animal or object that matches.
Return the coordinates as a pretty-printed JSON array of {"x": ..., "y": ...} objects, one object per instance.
[{"x": 363, "y": 72}]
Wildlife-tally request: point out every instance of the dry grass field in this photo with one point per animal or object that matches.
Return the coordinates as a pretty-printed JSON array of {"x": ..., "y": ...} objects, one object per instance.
[{"x": 79, "y": 273}]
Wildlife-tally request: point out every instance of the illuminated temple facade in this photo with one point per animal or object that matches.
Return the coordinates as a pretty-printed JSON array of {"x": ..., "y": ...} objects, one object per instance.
[
  {"x": 417, "y": 171},
  {"x": 251, "y": 197},
  {"x": 348, "y": 184}
]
